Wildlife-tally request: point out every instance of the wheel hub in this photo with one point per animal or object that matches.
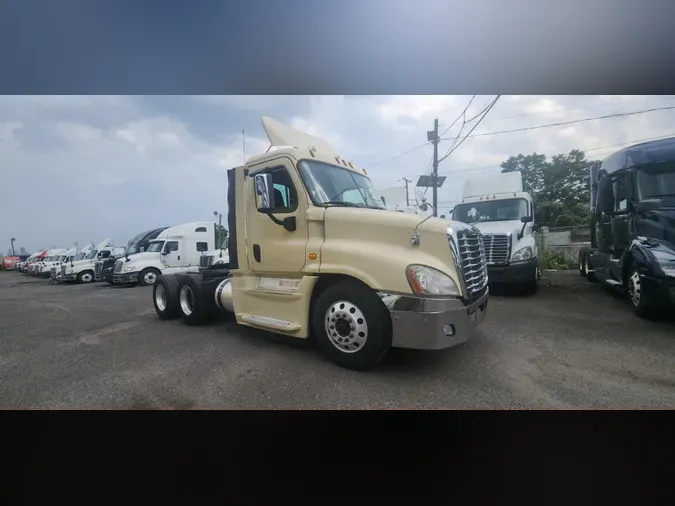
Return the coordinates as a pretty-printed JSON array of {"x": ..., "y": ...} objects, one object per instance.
[
  {"x": 346, "y": 326},
  {"x": 160, "y": 297},
  {"x": 634, "y": 288},
  {"x": 186, "y": 300}
]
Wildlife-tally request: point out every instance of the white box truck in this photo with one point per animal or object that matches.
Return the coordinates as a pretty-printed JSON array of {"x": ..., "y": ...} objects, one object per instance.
[{"x": 504, "y": 213}]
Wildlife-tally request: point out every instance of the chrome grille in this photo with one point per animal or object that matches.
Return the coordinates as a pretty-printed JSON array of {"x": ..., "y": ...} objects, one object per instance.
[
  {"x": 471, "y": 253},
  {"x": 63, "y": 270},
  {"x": 52, "y": 272},
  {"x": 205, "y": 261},
  {"x": 98, "y": 267},
  {"x": 118, "y": 266},
  {"x": 497, "y": 248}
]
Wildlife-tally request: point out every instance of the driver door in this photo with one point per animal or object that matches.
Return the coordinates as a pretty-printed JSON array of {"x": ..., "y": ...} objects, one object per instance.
[
  {"x": 620, "y": 222},
  {"x": 170, "y": 254},
  {"x": 270, "y": 247}
]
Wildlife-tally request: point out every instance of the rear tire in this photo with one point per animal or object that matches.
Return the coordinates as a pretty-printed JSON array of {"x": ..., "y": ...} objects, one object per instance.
[
  {"x": 352, "y": 325},
  {"x": 191, "y": 303},
  {"x": 583, "y": 265},
  {"x": 165, "y": 298}
]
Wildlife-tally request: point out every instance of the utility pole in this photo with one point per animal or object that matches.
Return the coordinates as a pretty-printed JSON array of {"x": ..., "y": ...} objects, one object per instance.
[
  {"x": 407, "y": 198},
  {"x": 433, "y": 137},
  {"x": 14, "y": 239}
]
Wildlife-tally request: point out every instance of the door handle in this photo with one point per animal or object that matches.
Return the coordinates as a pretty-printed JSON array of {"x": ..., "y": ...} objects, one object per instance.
[
  {"x": 178, "y": 257},
  {"x": 256, "y": 252}
]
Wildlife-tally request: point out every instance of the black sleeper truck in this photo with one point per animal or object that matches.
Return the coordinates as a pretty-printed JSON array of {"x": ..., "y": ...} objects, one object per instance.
[{"x": 633, "y": 225}]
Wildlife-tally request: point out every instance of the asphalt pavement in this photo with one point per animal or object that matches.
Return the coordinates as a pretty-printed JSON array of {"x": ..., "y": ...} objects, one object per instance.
[{"x": 97, "y": 346}]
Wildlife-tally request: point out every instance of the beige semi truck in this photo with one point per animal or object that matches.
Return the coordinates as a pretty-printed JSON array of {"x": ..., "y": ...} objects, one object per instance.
[{"x": 313, "y": 253}]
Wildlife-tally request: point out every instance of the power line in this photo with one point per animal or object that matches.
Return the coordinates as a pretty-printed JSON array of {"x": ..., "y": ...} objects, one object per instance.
[
  {"x": 608, "y": 104},
  {"x": 463, "y": 113},
  {"x": 571, "y": 122},
  {"x": 464, "y": 122},
  {"x": 400, "y": 154},
  {"x": 619, "y": 144},
  {"x": 457, "y": 145}
]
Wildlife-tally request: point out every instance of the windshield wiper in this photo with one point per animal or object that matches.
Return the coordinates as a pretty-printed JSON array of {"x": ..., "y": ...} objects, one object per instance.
[{"x": 339, "y": 203}]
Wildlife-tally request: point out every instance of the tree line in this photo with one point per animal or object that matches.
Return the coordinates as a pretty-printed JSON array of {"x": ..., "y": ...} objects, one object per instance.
[{"x": 559, "y": 186}]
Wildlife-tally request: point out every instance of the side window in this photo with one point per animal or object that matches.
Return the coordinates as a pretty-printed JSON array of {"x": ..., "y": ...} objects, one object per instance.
[
  {"x": 285, "y": 196},
  {"x": 200, "y": 229},
  {"x": 202, "y": 246},
  {"x": 171, "y": 246},
  {"x": 620, "y": 199},
  {"x": 104, "y": 254}
]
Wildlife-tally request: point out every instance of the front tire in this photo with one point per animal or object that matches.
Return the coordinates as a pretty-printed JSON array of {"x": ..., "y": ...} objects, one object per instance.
[
  {"x": 85, "y": 277},
  {"x": 148, "y": 276},
  {"x": 165, "y": 298},
  {"x": 352, "y": 325},
  {"x": 636, "y": 295}
]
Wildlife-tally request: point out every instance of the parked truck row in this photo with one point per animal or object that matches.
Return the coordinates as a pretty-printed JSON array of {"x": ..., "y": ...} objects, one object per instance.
[{"x": 146, "y": 256}]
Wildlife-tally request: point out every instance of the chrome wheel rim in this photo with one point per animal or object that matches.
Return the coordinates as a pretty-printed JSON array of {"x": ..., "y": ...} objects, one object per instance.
[
  {"x": 160, "y": 297},
  {"x": 150, "y": 278},
  {"x": 346, "y": 326},
  {"x": 86, "y": 278},
  {"x": 187, "y": 300},
  {"x": 634, "y": 289}
]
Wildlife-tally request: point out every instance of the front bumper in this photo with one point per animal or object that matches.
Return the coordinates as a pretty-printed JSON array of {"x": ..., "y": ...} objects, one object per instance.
[
  {"x": 521, "y": 272},
  {"x": 68, "y": 277},
  {"x": 105, "y": 276},
  {"x": 126, "y": 277},
  {"x": 433, "y": 324},
  {"x": 660, "y": 292}
]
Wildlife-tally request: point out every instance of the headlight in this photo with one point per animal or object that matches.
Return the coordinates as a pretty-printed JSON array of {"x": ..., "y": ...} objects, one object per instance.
[
  {"x": 522, "y": 254},
  {"x": 666, "y": 262},
  {"x": 427, "y": 281},
  {"x": 128, "y": 269}
]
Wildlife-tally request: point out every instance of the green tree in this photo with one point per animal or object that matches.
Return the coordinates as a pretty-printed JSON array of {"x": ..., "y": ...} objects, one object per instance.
[{"x": 559, "y": 186}]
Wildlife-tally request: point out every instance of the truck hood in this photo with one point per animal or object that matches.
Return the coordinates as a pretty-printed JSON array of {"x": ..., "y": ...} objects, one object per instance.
[
  {"x": 79, "y": 263},
  {"x": 379, "y": 245},
  {"x": 500, "y": 227},
  {"x": 139, "y": 257}
]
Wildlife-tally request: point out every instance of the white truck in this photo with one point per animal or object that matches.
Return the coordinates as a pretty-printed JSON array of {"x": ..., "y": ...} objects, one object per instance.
[
  {"x": 313, "y": 252},
  {"x": 82, "y": 269},
  {"x": 176, "y": 249},
  {"x": 504, "y": 213},
  {"x": 53, "y": 258}
]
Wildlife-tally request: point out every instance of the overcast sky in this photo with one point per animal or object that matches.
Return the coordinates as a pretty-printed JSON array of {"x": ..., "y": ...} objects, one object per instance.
[{"x": 84, "y": 168}]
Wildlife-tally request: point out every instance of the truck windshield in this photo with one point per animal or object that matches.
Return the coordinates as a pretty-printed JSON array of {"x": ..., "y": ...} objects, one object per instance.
[
  {"x": 155, "y": 246},
  {"x": 91, "y": 254},
  {"x": 656, "y": 180},
  {"x": 329, "y": 184},
  {"x": 492, "y": 210},
  {"x": 132, "y": 249},
  {"x": 79, "y": 256}
]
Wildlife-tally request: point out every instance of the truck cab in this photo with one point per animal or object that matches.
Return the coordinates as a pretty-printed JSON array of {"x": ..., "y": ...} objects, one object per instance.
[
  {"x": 82, "y": 269},
  {"x": 313, "y": 251},
  {"x": 34, "y": 265},
  {"x": 104, "y": 269},
  {"x": 176, "y": 249},
  {"x": 504, "y": 213},
  {"x": 633, "y": 225},
  {"x": 53, "y": 258}
]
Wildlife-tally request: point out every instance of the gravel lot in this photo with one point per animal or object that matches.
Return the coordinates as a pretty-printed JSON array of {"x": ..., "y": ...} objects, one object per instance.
[{"x": 96, "y": 346}]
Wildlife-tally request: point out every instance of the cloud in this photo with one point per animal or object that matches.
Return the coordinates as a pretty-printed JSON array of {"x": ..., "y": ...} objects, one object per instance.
[{"x": 80, "y": 168}]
